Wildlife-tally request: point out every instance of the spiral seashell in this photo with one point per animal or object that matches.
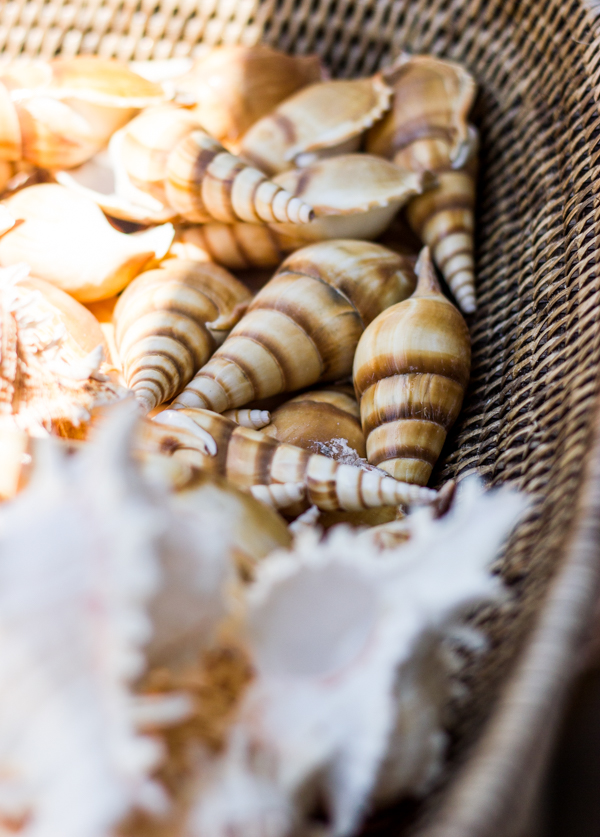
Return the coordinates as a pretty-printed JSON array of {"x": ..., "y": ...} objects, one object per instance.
[
  {"x": 247, "y": 458},
  {"x": 303, "y": 326},
  {"x": 357, "y": 207},
  {"x": 166, "y": 152},
  {"x": 169, "y": 321},
  {"x": 411, "y": 371},
  {"x": 249, "y": 418},
  {"x": 319, "y": 419},
  {"x": 324, "y": 116},
  {"x": 427, "y": 130},
  {"x": 11, "y": 144},
  {"x": 234, "y": 86}
]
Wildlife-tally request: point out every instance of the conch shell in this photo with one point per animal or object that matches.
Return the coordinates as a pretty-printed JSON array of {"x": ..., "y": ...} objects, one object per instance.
[
  {"x": 247, "y": 458},
  {"x": 323, "y": 421},
  {"x": 166, "y": 152},
  {"x": 47, "y": 380},
  {"x": 326, "y": 117},
  {"x": 68, "y": 242},
  {"x": 411, "y": 371},
  {"x": 60, "y": 113},
  {"x": 427, "y": 130},
  {"x": 234, "y": 86},
  {"x": 303, "y": 326},
  {"x": 168, "y": 323}
]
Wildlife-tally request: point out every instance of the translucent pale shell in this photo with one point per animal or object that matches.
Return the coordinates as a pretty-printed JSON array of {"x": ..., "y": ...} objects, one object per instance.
[{"x": 67, "y": 241}]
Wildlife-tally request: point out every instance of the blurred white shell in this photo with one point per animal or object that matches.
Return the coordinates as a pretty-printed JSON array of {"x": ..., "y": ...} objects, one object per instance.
[
  {"x": 66, "y": 240},
  {"x": 342, "y": 639},
  {"x": 78, "y": 565}
]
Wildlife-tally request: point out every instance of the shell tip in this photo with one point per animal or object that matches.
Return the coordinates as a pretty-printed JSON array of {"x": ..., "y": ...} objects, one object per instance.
[{"x": 427, "y": 281}]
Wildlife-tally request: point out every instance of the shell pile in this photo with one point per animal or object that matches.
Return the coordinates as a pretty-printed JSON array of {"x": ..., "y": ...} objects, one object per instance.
[{"x": 228, "y": 598}]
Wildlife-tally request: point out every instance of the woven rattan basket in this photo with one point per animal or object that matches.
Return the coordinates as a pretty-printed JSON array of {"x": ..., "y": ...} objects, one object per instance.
[{"x": 531, "y": 412}]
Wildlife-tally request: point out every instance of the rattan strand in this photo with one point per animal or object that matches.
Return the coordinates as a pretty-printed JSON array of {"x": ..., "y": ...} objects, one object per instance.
[{"x": 536, "y": 335}]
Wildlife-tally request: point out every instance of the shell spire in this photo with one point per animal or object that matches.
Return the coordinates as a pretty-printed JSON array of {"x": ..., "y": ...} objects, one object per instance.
[
  {"x": 247, "y": 458},
  {"x": 169, "y": 321},
  {"x": 411, "y": 370},
  {"x": 303, "y": 326}
]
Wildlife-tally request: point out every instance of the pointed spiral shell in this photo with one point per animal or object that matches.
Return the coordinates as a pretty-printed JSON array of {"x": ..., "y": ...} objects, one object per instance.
[
  {"x": 169, "y": 321},
  {"x": 411, "y": 371},
  {"x": 247, "y": 458},
  {"x": 303, "y": 326}
]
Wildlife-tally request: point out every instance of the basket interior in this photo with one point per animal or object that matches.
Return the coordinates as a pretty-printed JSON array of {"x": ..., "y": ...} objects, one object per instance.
[{"x": 536, "y": 335}]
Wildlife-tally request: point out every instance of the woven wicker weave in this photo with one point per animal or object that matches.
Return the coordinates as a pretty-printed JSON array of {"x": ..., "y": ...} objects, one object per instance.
[{"x": 530, "y": 413}]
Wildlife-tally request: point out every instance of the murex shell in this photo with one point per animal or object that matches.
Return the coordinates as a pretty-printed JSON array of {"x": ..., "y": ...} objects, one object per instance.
[
  {"x": 168, "y": 323},
  {"x": 234, "y": 86},
  {"x": 303, "y": 326},
  {"x": 325, "y": 116},
  {"x": 427, "y": 130},
  {"x": 247, "y": 458},
  {"x": 411, "y": 371},
  {"x": 166, "y": 152},
  {"x": 355, "y": 196}
]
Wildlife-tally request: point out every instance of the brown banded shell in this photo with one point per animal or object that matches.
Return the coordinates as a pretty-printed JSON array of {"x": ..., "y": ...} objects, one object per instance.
[
  {"x": 206, "y": 182},
  {"x": 427, "y": 130},
  {"x": 166, "y": 152},
  {"x": 319, "y": 419},
  {"x": 356, "y": 206},
  {"x": 169, "y": 321},
  {"x": 325, "y": 116},
  {"x": 411, "y": 371},
  {"x": 247, "y": 458},
  {"x": 234, "y": 86},
  {"x": 303, "y": 325}
]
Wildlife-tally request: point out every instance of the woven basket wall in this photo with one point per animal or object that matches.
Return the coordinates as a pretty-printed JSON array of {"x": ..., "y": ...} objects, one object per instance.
[{"x": 530, "y": 413}]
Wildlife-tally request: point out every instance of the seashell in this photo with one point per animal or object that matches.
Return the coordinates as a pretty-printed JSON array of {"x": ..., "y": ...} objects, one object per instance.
[
  {"x": 427, "y": 130},
  {"x": 11, "y": 146},
  {"x": 166, "y": 153},
  {"x": 411, "y": 371},
  {"x": 360, "y": 207},
  {"x": 249, "y": 418},
  {"x": 102, "y": 312},
  {"x": 353, "y": 673},
  {"x": 14, "y": 455},
  {"x": 324, "y": 116},
  {"x": 234, "y": 86},
  {"x": 279, "y": 496},
  {"x": 67, "y": 241},
  {"x": 316, "y": 419},
  {"x": 48, "y": 382},
  {"x": 169, "y": 321},
  {"x": 303, "y": 326},
  {"x": 246, "y": 458}
]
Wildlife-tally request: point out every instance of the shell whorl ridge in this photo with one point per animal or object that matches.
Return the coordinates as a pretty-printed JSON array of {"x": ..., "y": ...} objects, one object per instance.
[
  {"x": 169, "y": 321},
  {"x": 411, "y": 370},
  {"x": 303, "y": 326},
  {"x": 247, "y": 458}
]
